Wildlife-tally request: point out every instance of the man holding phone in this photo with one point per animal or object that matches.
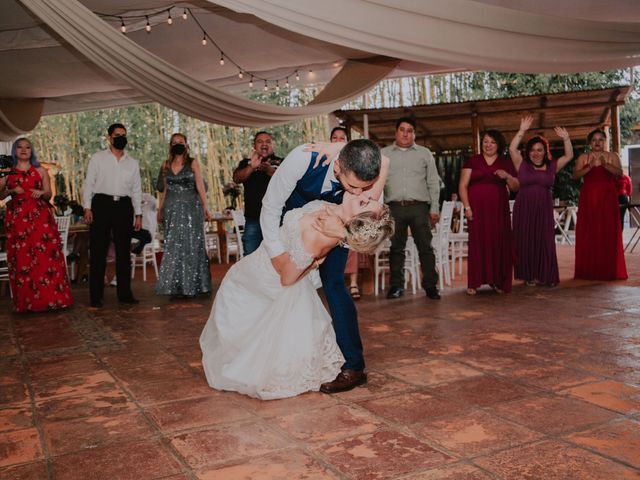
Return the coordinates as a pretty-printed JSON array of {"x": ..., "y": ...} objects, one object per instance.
[{"x": 255, "y": 173}]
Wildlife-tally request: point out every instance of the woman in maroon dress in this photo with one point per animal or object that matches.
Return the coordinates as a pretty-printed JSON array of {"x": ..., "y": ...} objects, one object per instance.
[
  {"x": 533, "y": 223},
  {"x": 37, "y": 271},
  {"x": 599, "y": 251},
  {"x": 485, "y": 182}
]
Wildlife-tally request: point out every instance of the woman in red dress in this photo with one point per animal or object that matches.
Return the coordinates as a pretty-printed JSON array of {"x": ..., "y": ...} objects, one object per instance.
[
  {"x": 485, "y": 182},
  {"x": 37, "y": 271},
  {"x": 599, "y": 251}
]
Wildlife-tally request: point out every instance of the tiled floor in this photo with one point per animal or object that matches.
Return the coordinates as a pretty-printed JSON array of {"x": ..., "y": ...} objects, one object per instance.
[{"x": 541, "y": 384}]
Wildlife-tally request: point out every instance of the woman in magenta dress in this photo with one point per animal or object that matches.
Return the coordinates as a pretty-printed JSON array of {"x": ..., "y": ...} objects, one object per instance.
[
  {"x": 485, "y": 182},
  {"x": 599, "y": 251},
  {"x": 533, "y": 223},
  {"x": 37, "y": 271}
]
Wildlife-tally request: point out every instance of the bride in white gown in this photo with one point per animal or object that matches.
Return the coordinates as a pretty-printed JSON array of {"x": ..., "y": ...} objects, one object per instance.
[{"x": 269, "y": 335}]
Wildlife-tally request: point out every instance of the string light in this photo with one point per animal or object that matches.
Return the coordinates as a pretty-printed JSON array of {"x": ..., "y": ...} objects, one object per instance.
[
  {"x": 240, "y": 75},
  {"x": 221, "y": 59},
  {"x": 286, "y": 83},
  {"x": 251, "y": 82},
  {"x": 184, "y": 14},
  {"x": 297, "y": 75},
  {"x": 123, "y": 27},
  {"x": 204, "y": 39},
  {"x": 148, "y": 26},
  {"x": 169, "y": 19},
  {"x": 277, "y": 86},
  {"x": 266, "y": 87}
]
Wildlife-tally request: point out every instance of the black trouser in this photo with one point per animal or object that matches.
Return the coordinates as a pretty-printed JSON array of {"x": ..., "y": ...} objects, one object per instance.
[
  {"x": 623, "y": 200},
  {"x": 144, "y": 237},
  {"x": 416, "y": 217},
  {"x": 111, "y": 219}
]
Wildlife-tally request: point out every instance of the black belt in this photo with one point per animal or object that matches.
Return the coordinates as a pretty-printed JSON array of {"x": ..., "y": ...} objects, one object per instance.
[
  {"x": 404, "y": 203},
  {"x": 113, "y": 198}
]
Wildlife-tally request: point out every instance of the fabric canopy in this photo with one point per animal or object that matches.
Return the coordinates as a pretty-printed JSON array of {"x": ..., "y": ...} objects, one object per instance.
[{"x": 469, "y": 34}]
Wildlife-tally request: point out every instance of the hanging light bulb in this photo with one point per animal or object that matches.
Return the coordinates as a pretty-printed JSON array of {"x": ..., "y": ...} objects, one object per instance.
[
  {"x": 240, "y": 75},
  {"x": 204, "y": 39},
  {"x": 169, "y": 19},
  {"x": 123, "y": 27},
  {"x": 277, "y": 86},
  {"x": 266, "y": 87},
  {"x": 286, "y": 82},
  {"x": 297, "y": 75},
  {"x": 221, "y": 59},
  {"x": 251, "y": 81},
  {"x": 148, "y": 26},
  {"x": 184, "y": 14}
]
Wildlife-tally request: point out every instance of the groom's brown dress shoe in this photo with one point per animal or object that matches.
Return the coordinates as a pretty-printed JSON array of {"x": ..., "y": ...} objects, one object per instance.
[{"x": 346, "y": 380}]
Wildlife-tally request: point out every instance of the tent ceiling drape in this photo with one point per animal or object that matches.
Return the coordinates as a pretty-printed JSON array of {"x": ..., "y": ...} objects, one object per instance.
[{"x": 56, "y": 56}]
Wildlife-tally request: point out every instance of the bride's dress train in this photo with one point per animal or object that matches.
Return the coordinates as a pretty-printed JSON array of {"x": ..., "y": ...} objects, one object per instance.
[{"x": 266, "y": 340}]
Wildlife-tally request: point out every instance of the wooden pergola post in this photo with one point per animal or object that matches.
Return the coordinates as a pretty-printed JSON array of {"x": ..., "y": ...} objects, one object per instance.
[
  {"x": 615, "y": 128},
  {"x": 475, "y": 133}
]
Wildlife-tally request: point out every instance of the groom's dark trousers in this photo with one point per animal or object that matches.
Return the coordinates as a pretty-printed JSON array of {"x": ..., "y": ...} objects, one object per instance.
[{"x": 343, "y": 310}]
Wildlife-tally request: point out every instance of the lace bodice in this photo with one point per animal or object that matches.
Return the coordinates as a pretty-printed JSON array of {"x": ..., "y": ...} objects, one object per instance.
[{"x": 291, "y": 236}]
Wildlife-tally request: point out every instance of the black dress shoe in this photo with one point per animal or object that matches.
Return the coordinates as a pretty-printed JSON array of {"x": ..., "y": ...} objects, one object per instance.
[
  {"x": 432, "y": 293},
  {"x": 395, "y": 292},
  {"x": 130, "y": 301},
  {"x": 346, "y": 380},
  {"x": 96, "y": 304}
]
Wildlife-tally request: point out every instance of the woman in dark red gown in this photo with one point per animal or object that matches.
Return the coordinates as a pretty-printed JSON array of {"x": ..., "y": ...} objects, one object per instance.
[
  {"x": 485, "y": 182},
  {"x": 37, "y": 271},
  {"x": 599, "y": 251}
]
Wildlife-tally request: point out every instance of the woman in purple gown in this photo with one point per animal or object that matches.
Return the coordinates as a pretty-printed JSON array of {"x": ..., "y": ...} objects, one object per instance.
[
  {"x": 533, "y": 224},
  {"x": 485, "y": 182}
]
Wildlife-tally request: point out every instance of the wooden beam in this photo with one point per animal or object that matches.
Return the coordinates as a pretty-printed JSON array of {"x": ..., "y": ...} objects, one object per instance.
[
  {"x": 615, "y": 129},
  {"x": 475, "y": 133}
]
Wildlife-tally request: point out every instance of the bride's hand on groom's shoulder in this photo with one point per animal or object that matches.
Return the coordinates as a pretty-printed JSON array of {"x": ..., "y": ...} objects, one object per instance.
[
  {"x": 326, "y": 151},
  {"x": 329, "y": 224}
]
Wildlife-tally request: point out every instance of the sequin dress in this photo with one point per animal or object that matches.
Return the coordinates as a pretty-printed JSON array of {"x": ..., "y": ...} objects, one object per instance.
[
  {"x": 185, "y": 265},
  {"x": 267, "y": 340}
]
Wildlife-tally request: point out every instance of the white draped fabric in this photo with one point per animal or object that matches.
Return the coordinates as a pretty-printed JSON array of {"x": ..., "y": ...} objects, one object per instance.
[
  {"x": 469, "y": 34},
  {"x": 163, "y": 83}
]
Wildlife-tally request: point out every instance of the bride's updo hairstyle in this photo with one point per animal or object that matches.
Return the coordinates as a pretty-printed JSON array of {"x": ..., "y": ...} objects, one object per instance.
[{"x": 366, "y": 231}]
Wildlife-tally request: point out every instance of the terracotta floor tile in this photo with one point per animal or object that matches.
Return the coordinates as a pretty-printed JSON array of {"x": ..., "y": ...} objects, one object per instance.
[
  {"x": 49, "y": 340},
  {"x": 378, "y": 384},
  {"x": 324, "y": 425},
  {"x": 554, "y": 415},
  {"x": 67, "y": 408},
  {"x": 412, "y": 407},
  {"x": 167, "y": 391},
  {"x": 76, "y": 385},
  {"x": 129, "y": 461},
  {"x": 153, "y": 373},
  {"x": 619, "y": 440},
  {"x": 433, "y": 372},
  {"x": 381, "y": 454},
  {"x": 553, "y": 460},
  {"x": 484, "y": 390},
  {"x": 552, "y": 376},
  {"x": 63, "y": 366},
  {"x": 474, "y": 433},
  {"x": 20, "y": 446},
  {"x": 276, "y": 408},
  {"x": 15, "y": 393},
  {"x": 10, "y": 371},
  {"x": 133, "y": 357},
  {"x": 452, "y": 472},
  {"x": 219, "y": 444},
  {"x": 16, "y": 418},
  {"x": 95, "y": 431},
  {"x": 197, "y": 412},
  {"x": 283, "y": 465},
  {"x": 29, "y": 471},
  {"x": 609, "y": 394}
]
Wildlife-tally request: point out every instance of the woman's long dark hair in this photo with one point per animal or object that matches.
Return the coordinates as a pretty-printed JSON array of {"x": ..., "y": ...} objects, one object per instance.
[
  {"x": 188, "y": 159},
  {"x": 545, "y": 143}
]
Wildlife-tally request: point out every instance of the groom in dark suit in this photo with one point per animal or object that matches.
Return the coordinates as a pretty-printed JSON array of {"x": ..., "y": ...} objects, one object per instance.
[{"x": 297, "y": 182}]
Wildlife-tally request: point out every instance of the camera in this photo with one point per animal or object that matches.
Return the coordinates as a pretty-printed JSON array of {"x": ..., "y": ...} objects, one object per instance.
[{"x": 6, "y": 162}]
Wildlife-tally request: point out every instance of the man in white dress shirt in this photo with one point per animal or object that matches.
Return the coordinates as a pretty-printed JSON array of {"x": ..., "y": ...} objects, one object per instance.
[{"x": 112, "y": 194}]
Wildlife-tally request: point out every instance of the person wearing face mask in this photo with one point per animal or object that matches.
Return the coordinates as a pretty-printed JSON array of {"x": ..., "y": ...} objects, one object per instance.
[
  {"x": 184, "y": 272},
  {"x": 112, "y": 208},
  {"x": 255, "y": 173}
]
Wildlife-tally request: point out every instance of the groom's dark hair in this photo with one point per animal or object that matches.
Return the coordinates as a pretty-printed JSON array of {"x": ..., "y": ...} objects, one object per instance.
[{"x": 362, "y": 157}]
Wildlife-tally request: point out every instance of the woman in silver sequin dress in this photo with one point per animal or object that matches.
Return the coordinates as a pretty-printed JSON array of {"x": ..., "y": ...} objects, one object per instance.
[{"x": 183, "y": 209}]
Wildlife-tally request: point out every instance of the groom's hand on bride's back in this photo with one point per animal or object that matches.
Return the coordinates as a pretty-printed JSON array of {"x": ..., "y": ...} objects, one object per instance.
[{"x": 329, "y": 224}]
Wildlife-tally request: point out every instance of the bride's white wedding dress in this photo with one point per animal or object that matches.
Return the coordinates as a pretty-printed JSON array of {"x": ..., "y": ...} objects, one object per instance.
[{"x": 266, "y": 340}]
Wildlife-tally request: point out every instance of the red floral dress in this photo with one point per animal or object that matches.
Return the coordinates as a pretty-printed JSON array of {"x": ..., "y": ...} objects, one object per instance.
[{"x": 37, "y": 271}]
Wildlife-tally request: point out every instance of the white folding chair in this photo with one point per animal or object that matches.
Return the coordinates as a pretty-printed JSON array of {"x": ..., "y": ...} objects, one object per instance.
[
  {"x": 380, "y": 266},
  {"x": 440, "y": 243},
  {"x": 4, "y": 270},
  {"x": 458, "y": 243},
  {"x": 63, "y": 227},
  {"x": 234, "y": 238},
  {"x": 411, "y": 265},
  {"x": 212, "y": 243},
  {"x": 148, "y": 255}
]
